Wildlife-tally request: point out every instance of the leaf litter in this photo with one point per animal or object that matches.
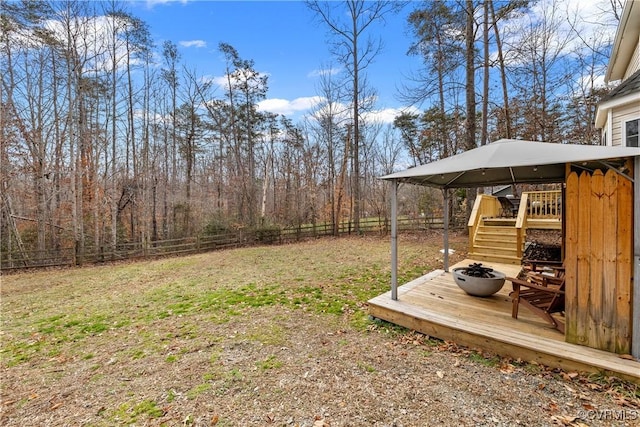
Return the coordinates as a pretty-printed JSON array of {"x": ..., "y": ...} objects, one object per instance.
[{"x": 297, "y": 361}]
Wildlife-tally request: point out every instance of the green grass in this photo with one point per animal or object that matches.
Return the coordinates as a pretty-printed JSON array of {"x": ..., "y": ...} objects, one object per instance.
[
  {"x": 174, "y": 300},
  {"x": 270, "y": 362},
  {"x": 130, "y": 413},
  {"x": 180, "y": 333},
  {"x": 267, "y": 335},
  {"x": 228, "y": 380},
  {"x": 172, "y": 297},
  {"x": 198, "y": 390},
  {"x": 366, "y": 367},
  {"x": 491, "y": 361}
]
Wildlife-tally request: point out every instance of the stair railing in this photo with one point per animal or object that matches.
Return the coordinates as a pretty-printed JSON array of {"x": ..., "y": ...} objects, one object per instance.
[
  {"x": 485, "y": 206},
  {"x": 521, "y": 224},
  {"x": 544, "y": 204}
]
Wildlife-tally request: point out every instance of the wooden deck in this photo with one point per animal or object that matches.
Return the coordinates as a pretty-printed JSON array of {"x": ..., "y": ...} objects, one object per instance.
[{"x": 434, "y": 305}]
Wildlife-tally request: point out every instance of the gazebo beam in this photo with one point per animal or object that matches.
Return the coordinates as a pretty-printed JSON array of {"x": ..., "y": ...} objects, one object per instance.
[
  {"x": 445, "y": 210},
  {"x": 394, "y": 239}
]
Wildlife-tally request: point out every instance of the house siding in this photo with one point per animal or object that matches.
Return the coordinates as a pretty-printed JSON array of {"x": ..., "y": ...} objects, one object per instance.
[
  {"x": 620, "y": 116},
  {"x": 634, "y": 63}
]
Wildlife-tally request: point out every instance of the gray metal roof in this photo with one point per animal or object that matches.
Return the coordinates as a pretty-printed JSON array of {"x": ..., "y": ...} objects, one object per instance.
[{"x": 510, "y": 161}]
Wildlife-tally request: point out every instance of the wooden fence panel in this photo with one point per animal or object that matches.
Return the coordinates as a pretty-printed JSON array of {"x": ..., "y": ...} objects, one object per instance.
[
  {"x": 624, "y": 282},
  {"x": 609, "y": 259},
  {"x": 195, "y": 244},
  {"x": 598, "y": 260},
  {"x": 596, "y": 212},
  {"x": 571, "y": 258},
  {"x": 584, "y": 249}
]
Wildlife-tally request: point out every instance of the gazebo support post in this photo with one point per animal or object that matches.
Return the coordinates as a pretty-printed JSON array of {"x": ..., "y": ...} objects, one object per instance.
[
  {"x": 635, "y": 314},
  {"x": 445, "y": 193},
  {"x": 394, "y": 240}
]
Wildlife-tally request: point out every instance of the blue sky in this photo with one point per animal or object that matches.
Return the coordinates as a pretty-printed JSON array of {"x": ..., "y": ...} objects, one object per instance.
[
  {"x": 287, "y": 43},
  {"x": 283, "y": 40}
]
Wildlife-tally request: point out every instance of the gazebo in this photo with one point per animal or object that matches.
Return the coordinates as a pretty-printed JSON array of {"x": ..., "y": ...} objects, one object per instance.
[{"x": 601, "y": 205}]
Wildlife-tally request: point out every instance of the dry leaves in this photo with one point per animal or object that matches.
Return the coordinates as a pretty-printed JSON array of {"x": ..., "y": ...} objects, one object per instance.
[
  {"x": 569, "y": 421},
  {"x": 320, "y": 422},
  {"x": 416, "y": 380}
]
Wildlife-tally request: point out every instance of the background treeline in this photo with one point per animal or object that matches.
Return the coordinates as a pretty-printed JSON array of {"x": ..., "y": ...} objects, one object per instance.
[{"x": 109, "y": 139}]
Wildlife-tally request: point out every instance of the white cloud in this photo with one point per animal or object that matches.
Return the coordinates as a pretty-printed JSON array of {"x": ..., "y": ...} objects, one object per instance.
[
  {"x": 287, "y": 107},
  {"x": 593, "y": 20},
  {"x": 220, "y": 81},
  {"x": 95, "y": 34},
  {"x": 388, "y": 115},
  {"x": 152, "y": 3},
  {"x": 193, "y": 43},
  {"x": 324, "y": 72},
  {"x": 342, "y": 112}
]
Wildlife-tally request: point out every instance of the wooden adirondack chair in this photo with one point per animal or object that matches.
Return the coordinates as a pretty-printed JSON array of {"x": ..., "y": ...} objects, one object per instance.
[{"x": 543, "y": 294}]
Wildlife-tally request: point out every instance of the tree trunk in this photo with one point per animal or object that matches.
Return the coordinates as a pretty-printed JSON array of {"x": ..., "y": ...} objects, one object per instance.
[
  {"x": 503, "y": 73},
  {"x": 470, "y": 124}
]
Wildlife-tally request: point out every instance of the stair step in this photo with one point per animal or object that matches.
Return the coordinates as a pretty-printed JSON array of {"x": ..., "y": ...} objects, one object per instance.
[
  {"x": 494, "y": 244},
  {"x": 496, "y": 222},
  {"x": 497, "y": 229},
  {"x": 496, "y": 237},
  {"x": 496, "y": 240},
  {"x": 506, "y": 259},
  {"x": 495, "y": 250}
]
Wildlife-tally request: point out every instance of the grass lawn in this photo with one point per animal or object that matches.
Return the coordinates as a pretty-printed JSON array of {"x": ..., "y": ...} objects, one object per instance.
[{"x": 273, "y": 335}]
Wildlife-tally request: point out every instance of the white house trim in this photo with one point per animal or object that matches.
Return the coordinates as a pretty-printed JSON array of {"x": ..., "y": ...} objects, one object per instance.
[
  {"x": 625, "y": 41},
  {"x": 610, "y": 127},
  {"x": 607, "y": 106}
]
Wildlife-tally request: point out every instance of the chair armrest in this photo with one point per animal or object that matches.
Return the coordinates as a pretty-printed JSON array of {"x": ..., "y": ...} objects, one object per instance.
[
  {"x": 535, "y": 263},
  {"x": 553, "y": 280},
  {"x": 517, "y": 283}
]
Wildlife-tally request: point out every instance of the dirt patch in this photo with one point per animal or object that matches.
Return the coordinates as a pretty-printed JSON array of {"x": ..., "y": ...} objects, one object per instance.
[{"x": 259, "y": 337}]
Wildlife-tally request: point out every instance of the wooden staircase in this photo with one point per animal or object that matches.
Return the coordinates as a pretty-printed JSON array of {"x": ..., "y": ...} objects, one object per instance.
[{"x": 496, "y": 240}]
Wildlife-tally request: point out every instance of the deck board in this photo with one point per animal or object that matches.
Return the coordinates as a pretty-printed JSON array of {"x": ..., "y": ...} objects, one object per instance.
[{"x": 433, "y": 304}]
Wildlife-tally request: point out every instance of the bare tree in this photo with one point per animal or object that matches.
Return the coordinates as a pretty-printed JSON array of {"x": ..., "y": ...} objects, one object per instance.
[
  {"x": 591, "y": 55},
  {"x": 485, "y": 78},
  {"x": 191, "y": 129},
  {"x": 25, "y": 117},
  {"x": 245, "y": 88},
  {"x": 356, "y": 55},
  {"x": 503, "y": 74},
  {"x": 327, "y": 120},
  {"x": 170, "y": 75},
  {"x": 540, "y": 66},
  {"x": 470, "y": 91},
  {"x": 77, "y": 52}
]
